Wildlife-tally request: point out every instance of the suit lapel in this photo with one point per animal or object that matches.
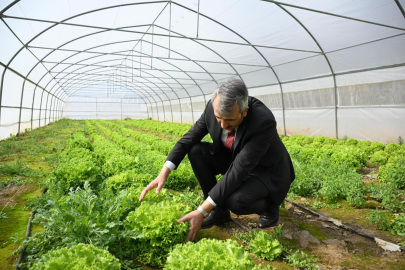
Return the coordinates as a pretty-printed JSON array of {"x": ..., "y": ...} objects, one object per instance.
[
  {"x": 239, "y": 135},
  {"x": 242, "y": 127},
  {"x": 216, "y": 136}
]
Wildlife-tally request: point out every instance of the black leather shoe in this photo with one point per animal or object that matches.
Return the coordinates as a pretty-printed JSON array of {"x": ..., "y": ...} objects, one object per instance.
[
  {"x": 216, "y": 217},
  {"x": 269, "y": 218}
]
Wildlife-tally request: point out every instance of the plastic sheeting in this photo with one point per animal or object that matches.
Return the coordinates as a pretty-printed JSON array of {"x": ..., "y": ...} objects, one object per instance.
[{"x": 308, "y": 61}]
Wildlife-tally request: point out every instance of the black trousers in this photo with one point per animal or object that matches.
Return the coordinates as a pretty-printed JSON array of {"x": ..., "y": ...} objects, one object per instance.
[{"x": 249, "y": 198}]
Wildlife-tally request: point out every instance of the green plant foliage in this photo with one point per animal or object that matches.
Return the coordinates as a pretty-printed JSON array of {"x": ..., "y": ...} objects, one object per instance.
[
  {"x": 352, "y": 142},
  {"x": 17, "y": 168},
  {"x": 175, "y": 129},
  {"x": 393, "y": 173},
  {"x": 307, "y": 140},
  {"x": 375, "y": 146},
  {"x": 316, "y": 145},
  {"x": 349, "y": 155},
  {"x": 379, "y": 157},
  {"x": 365, "y": 147},
  {"x": 380, "y": 219},
  {"x": 391, "y": 148},
  {"x": 382, "y": 172},
  {"x": 119, "y": 163},
  {"x": 319, "y": 139},
  {"x": 83, "y": 216},
  {"x": 264, "y": 246},
  {"x": 341, "y": 142},
  {"x": 154, "y": 152},
  {"x": 332, "y": 181},
  {"x": 76, "y": 165},
  {"x": 79, "y": 140},
  {"x": 302, "y": 260},
  {"x": 398, "y": 226},
  {"x": 81, "y": 256},
  {"x": 209, "y": 254},
  {"x": 153, "y": 230},
  {"x": 193, "y": 199},
  {"x": 331, "y": 141},
  {"x": 389, "y": 196},
  {"x": 298, "y": 139},
  {"x": 127, "y": 179}
]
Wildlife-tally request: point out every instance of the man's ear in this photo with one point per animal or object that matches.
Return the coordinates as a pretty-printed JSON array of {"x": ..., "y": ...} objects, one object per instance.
[{"x": 245, "y": 112}]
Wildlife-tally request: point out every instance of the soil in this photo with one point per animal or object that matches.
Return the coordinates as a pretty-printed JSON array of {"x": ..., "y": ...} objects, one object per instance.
[
  {"x": 336, "y": 247},
  {"x": 10, "y": 195}
]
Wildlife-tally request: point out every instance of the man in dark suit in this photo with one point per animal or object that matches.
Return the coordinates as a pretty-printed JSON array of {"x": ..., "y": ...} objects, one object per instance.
[{"x": 246, "y": 149}]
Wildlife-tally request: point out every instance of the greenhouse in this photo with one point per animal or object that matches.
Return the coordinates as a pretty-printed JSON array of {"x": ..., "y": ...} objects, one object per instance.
[{"x": 96, "y": 96}]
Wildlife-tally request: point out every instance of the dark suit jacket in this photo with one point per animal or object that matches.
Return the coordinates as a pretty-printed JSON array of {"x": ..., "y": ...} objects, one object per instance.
[{"x": 257, "y": 152}]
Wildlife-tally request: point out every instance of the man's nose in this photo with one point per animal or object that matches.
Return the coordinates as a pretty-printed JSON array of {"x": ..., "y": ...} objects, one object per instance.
[{"x": 224, "y": 124}]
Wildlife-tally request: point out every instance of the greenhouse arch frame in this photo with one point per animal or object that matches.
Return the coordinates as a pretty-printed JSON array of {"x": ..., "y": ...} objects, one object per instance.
[{"x": 323, "y": 68}]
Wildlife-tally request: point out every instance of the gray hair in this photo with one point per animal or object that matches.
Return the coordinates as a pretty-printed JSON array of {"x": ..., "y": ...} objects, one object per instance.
[{"x": 231, "y": 91}]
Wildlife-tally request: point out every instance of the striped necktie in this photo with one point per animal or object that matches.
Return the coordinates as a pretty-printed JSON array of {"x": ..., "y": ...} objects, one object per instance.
[{"x": 229, "y": 140}]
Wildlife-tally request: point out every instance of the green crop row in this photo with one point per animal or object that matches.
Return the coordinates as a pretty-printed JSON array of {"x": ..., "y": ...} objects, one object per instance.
[
  {"x": 105, "y": 214},
  {"x": 175, "y": 129},
  {"x": 151, "y": 161}
]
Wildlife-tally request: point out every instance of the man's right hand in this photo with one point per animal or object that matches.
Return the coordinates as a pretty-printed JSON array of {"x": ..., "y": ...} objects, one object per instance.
[{"x": 158, "y": 183}]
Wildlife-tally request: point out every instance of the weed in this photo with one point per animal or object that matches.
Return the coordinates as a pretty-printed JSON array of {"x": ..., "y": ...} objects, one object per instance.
[
  {"x": 380, "y": 219},
  {"x": 400, "y": 140},
  {"x": 302, "y": 260},
  {"x": 3, "y": 215},
  {"x": 16, "y": 238},
  {"x": 16, "y": 168}
]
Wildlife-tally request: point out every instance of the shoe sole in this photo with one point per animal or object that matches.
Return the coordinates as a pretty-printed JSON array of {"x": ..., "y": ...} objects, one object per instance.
[{"x": 270, "y": 226}]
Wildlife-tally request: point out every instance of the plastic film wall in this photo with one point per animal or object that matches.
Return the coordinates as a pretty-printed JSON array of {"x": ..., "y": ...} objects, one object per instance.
[{"x": 324, "y": 67}]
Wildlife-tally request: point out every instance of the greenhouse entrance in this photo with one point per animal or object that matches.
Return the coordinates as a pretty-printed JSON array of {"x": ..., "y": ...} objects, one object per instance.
[{"x": 94, "y": 96}]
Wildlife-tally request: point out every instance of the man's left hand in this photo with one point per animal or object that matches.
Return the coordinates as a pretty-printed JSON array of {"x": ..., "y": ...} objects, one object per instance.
[{"x": 195, "y": 219}]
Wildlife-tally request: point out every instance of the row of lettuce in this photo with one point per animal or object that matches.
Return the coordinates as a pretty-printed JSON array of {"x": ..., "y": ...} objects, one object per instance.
[
  {"x": 92, "y": 217},
  {"x": 330, "y": 169}
]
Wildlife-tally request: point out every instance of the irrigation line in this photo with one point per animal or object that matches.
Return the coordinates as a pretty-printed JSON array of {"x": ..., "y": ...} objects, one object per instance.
[
  {"x": 388, "y": 246},
  {"x": 27, "y": 234}
]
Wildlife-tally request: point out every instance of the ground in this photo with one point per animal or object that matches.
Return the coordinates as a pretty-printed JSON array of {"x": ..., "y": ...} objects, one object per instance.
[{"x": 335, "y": 247}]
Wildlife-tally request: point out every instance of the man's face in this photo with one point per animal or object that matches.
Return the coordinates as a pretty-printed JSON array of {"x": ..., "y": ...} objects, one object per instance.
[{"x": 229, "y": 122}]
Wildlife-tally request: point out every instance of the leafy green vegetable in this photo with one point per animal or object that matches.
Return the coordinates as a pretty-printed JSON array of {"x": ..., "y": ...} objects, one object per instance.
[
  {"x": 379, "y": 157},
  {"x": 209, "y": 254},
  {"x": 391, "y": 148},
  {"x": 81, "y": 256},
  {"x": 119, "y": 163},
  {"x": 393, "y": 173},
  {"x": 153, "y": 230},
  {"x": 264, "y": 246},
  {"x": 127, "y": 179},
  {"x": 398, "y": 226},
  {"x": 302, "y": 260},
  {"x": 76, "y": 166}
]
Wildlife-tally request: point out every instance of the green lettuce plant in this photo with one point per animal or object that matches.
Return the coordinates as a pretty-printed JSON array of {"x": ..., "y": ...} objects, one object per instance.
[
  {"x": 264, "y": 246},
  {"x": 391, "y": 148},
  {"x": 152, "y": 230},
  {"x": 209, "y": 254},
  {"x": 379, "y": 157},
  {"x": 375, "y": 146},
  {"x": 81, "y": 256},
  {"x": 127, "y": 179}
]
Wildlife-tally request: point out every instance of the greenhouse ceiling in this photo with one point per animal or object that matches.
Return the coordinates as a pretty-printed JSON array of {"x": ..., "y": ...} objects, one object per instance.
[{"x": 161, "y": 51}]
